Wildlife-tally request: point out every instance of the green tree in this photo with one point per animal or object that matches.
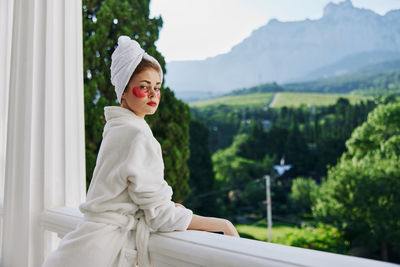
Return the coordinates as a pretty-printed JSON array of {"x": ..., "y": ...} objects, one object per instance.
[
  {"x": 231, "y": 169},
  {"x": 242, "y": 177},
  {"x": 201, "y": 180},
  {"x": 361, "y": 191},
  {"x": 255, "y": 146},
  {"x": 201, "y": 172},
  {"x": 296, "y": 150},
  {"x": 103, "y": 22},
  {"x": 276, "y": 141},
  {"x": 303, "y": 193}
]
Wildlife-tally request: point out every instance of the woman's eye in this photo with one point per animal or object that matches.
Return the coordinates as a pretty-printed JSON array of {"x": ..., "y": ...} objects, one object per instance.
[
  {"x": 144, "y": 87},
  {"x": 157, "y": 89}
]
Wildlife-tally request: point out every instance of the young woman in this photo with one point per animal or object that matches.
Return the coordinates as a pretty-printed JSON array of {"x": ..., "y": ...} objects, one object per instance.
[{"x": 128, "y": 195}]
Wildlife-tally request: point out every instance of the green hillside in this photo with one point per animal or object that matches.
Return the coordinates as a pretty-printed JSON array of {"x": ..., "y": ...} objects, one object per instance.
[
  {"x": 311, "y": 99},
  {"x": 259, "y": 99}
]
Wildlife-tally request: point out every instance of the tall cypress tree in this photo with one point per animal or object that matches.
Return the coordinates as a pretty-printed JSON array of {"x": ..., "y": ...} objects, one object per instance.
[
  {"x": 103, "y": 22},
  {"x": 296, "y": 150},
  {"x": 201, "y": 172}
]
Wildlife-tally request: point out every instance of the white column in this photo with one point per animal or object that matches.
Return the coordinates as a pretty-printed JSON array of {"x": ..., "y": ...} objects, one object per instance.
[
  {"x": 5, "y": 49},
  {"x": 45, "y": 164}
]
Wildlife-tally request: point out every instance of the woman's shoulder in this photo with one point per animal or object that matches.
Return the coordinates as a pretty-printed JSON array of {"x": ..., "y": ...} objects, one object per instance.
[
  {"x": 121, "y": 117},
  {"x": 126, "y": 132},
  {"x": 126, "y": 128},
  {"x": 128, "y": 140}
]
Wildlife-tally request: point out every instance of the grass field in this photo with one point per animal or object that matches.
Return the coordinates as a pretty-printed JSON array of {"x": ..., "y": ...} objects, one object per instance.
[
  {"x": 260, "y": 231},
  {"x": 236, "y": 100},
  {"x": 308, "y": 99}
]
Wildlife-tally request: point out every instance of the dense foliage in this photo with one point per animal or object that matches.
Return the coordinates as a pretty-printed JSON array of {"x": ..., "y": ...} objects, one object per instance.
[
  {"x": 303, "y": 193},
  {"x": 360, "y": 193},
  {"x": 103, "y": 22},
  {"x": 255, "y": 138},
  {"x": 358, "y": 197},
  {"x": 308, "y": 138},
  {"x": 201, "y": 172}
]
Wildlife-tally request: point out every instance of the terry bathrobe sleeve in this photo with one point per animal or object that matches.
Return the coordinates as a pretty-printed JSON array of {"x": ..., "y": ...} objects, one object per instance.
[{"x": 147, "y": 188}]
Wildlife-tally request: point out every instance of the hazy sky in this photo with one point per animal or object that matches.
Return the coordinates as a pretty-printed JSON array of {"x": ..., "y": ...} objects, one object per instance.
[{"x": 197, "y": 29}]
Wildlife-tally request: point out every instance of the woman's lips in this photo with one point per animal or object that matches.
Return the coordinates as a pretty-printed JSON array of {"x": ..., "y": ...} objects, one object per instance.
[{"x": 152, "y": 103}]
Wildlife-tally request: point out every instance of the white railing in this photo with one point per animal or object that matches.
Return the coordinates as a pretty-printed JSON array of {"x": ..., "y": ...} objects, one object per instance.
[{"x": 197, "y": 248}]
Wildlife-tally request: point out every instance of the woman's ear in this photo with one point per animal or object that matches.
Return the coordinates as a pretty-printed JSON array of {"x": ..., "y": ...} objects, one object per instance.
[
  {"x": 123, "y": 96},
  {"x": 122, "y": 99}
]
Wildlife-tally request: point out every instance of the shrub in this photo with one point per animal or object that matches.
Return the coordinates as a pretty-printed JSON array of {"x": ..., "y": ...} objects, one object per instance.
[
  {"x": 322, "y": 237},
  {"x": 303, "y": 192}
]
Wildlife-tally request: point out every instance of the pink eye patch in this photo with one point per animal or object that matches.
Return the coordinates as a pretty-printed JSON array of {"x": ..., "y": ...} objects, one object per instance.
[{"x": 139, "y": 93}]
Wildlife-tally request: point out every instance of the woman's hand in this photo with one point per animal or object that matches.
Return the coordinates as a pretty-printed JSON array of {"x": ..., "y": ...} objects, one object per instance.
[
  {"x": 211, "y": 224},
  {"x": 179, "y": 205},
  {"x": 230, "y": 229}
]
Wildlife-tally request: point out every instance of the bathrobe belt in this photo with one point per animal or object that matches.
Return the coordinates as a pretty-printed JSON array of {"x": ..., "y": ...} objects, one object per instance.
[{"x": 127, "y": 223}]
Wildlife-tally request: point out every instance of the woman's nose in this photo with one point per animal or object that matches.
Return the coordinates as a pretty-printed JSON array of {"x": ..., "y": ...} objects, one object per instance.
[{"x": 152, "y": 92}]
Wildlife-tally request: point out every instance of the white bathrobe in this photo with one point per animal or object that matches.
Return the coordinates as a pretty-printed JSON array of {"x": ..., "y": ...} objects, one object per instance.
[{"x": 127, "y": 196}]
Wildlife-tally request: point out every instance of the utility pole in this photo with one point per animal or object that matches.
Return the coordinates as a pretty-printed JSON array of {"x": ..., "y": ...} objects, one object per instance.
[
  {"x": 269, "y": 214},
  {"x": 280, "y": 169}
]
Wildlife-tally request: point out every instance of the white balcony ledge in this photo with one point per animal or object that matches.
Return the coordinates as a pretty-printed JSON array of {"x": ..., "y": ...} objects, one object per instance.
[{"x": 197, "y": 248}]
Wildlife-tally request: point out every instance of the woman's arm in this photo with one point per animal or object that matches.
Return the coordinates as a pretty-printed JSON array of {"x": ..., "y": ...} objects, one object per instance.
[
  {"x": 143, "y": 170},
  {"x": 211, "y": 224}
]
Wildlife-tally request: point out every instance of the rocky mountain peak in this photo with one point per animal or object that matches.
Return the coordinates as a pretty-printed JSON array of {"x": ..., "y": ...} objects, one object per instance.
[{"x": 342, "y": 8}]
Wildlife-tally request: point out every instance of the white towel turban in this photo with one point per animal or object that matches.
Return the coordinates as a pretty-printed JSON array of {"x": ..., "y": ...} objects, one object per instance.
[{"x": 124, "y": 60}]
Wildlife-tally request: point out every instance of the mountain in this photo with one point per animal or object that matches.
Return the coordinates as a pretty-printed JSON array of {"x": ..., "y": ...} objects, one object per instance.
[
  {"x": 380, "y": 67},
  {"x": 288, "y": 51},
  {"x": 372, "y": 80},
  {"x": 377, "y": 60},
  {"x": 375, "y": 79}
]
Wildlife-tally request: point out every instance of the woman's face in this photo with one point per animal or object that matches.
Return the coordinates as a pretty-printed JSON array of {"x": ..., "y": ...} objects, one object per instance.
[{"x": 143, "y": 93}]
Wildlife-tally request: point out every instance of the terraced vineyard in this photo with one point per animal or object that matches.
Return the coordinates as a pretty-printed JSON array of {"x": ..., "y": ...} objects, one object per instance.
[
  {"x": 260, "y": 99},
  {"x": 278, "y": 100},
  {"x": 311, "y": 99}
]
